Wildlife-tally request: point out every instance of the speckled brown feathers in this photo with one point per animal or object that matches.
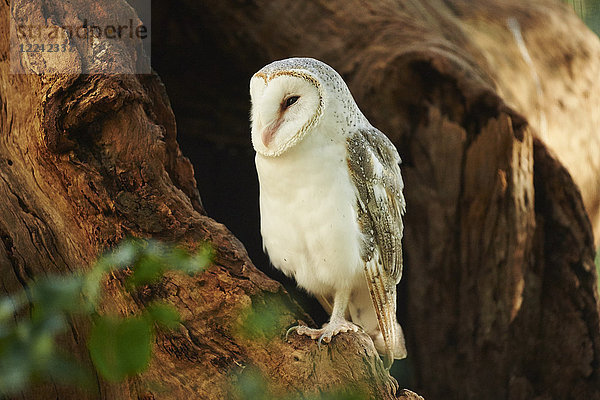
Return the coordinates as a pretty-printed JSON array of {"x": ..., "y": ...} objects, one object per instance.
[
  {"x": 373, "y": 163},
  {"x": 380, "y": 217}
]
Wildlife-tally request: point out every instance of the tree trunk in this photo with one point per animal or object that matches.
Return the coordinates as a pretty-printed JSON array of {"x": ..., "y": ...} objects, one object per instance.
[{"x": 500, "y": 294}]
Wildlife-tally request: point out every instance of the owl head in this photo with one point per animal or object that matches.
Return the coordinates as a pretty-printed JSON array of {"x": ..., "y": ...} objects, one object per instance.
[{"x": 291, "y": 98}]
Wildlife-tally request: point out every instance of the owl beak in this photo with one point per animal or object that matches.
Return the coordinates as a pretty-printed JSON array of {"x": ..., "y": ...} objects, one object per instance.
[
  {"x": 267, "y": 136},
  {"x": 266, "y": 133},
  {"x": 269, "y": 132}
]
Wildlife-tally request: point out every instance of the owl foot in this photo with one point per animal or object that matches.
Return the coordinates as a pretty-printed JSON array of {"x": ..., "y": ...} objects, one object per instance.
[{"x": 324, "y": 334}]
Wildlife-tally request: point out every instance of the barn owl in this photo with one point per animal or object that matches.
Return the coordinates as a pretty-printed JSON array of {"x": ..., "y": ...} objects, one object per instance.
[{"x": 331, "y": 201}]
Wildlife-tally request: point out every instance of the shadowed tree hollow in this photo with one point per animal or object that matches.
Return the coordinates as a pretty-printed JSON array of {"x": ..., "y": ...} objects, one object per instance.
[{"x": 493, "y": 107}]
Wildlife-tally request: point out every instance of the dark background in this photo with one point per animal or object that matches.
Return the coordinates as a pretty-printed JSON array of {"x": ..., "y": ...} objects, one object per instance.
[{"x": 215, "y": 133}]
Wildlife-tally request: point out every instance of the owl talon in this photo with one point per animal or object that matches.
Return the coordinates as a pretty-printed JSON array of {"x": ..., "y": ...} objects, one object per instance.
[
  {"x": 304, "y": 330},
  {"x": 292, "y": 329},
  {"x": 325, "y": 337},
  {"x": 326, "y": 333}
]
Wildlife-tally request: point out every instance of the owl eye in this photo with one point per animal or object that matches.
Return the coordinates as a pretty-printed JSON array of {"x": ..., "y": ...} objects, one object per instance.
[{"x": 289, "y": 101}]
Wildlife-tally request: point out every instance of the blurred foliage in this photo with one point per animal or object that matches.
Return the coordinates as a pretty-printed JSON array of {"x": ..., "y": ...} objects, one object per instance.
[
  {"x": 265, "y": 318},
  {"x": 33, "y": 320},
  {"x": 251, "y": 383},
  {"x": 588, "y": 11},
  {"x": 120, "y": 347}
]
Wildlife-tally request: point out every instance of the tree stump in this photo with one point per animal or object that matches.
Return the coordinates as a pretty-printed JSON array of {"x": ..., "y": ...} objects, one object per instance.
[{"x": 501, "y": 295}]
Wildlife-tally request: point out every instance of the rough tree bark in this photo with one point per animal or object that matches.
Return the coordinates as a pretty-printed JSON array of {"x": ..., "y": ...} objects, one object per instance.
[
  {"x": 89, "y": 159},
  {"x": 501, "y": 296}
]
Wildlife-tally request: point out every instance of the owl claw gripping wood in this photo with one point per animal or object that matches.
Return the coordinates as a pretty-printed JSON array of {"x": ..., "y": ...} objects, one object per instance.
[{"x": 331, "y": 199}]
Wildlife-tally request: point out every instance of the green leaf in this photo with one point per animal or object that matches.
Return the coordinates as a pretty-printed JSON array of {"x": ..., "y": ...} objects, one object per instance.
[
  {"x": 191, "y": 264},
  {"x": 9, "y": 305},
  {"x": 57, "y": 294},
  {"x": 120, "y": 347},
  {"x": 148, "y": 269},
  {"x": 177, "y": 257},
  {"x": 200, "y": 261},
  {"x": 264, "y": 318},
  {"x": 154, "y": 248},
  {"x": 123, "y": 255},
  {"x": 164, "y": 314},
  {"x": 12, "y": 379},
  {"x": 42, "y": 346},
  {"x": 91, "y": 285},
  {"x": 250, "y": 383}
]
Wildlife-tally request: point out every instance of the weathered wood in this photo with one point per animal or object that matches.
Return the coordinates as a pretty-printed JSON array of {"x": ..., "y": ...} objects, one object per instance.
[
  {"x": 90, "y": 159},
  {"x": 501, "y": 296},
  {"x": 448, "y": 83},
  {"x": 556, "y": 89}
]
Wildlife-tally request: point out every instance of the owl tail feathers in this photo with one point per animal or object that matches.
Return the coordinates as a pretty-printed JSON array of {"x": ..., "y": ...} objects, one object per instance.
[
  {"x": 399, "y": 344},
  {"x": 398, "y": 347}
]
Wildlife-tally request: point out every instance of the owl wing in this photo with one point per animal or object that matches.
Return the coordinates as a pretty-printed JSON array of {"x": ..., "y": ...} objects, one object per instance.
[{"x": 374, "y": 166}]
